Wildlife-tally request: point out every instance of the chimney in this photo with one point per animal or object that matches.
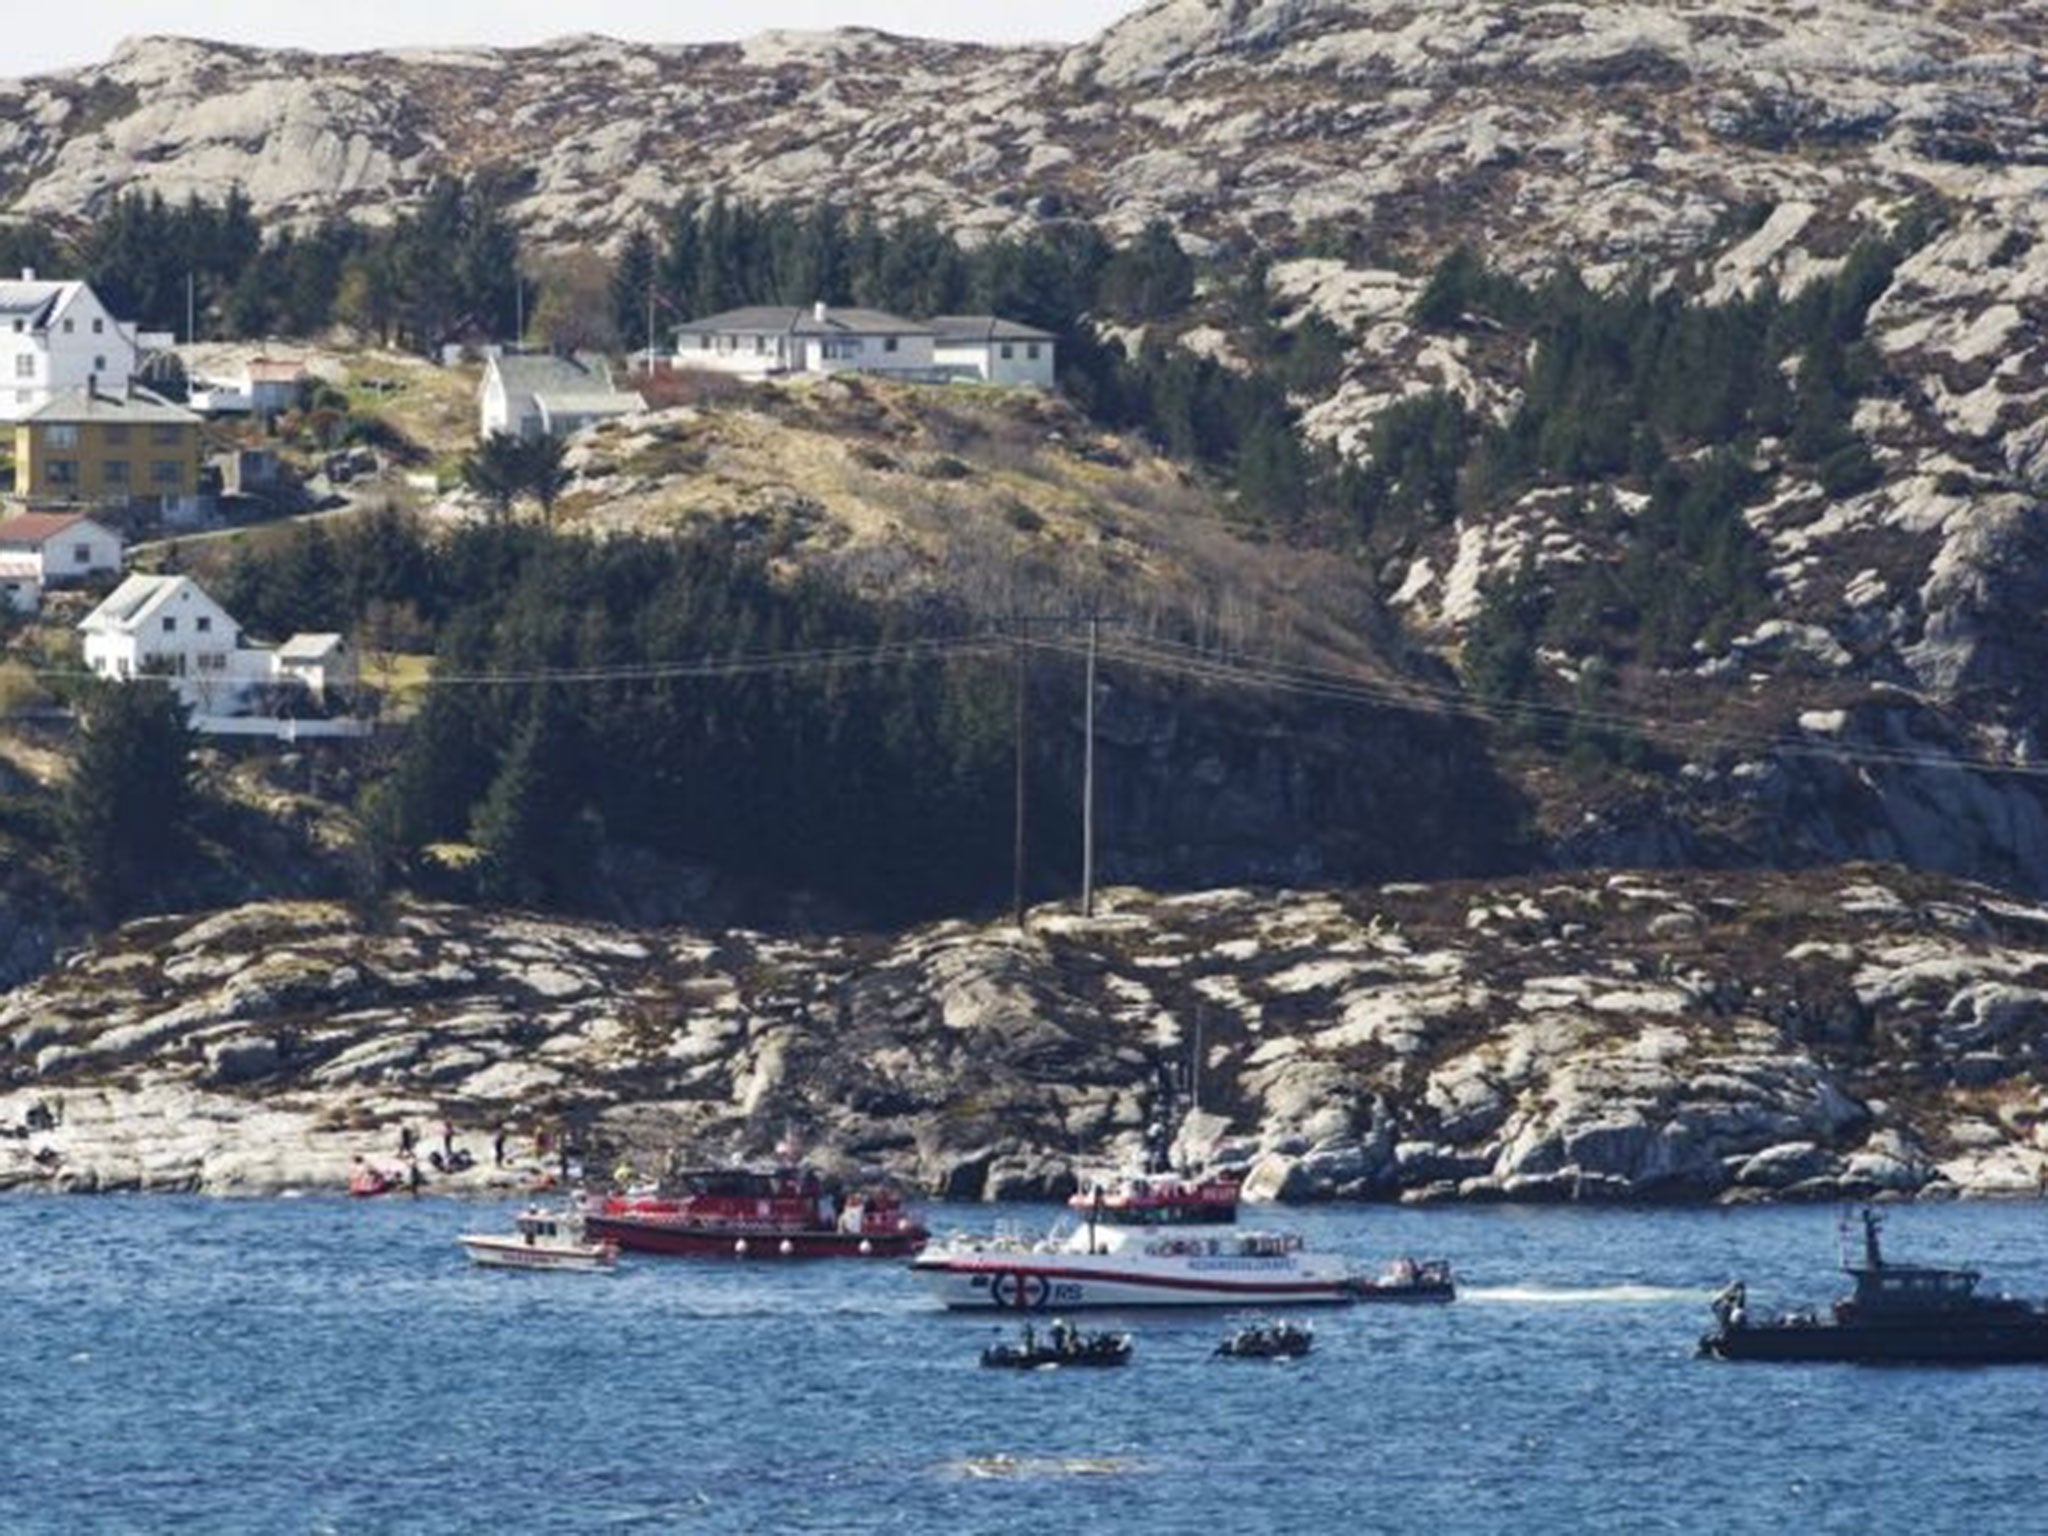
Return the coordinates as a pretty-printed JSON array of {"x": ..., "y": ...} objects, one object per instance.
[
  {"x": 818, "y": 311},
  {"x": 28, "y": 274}
]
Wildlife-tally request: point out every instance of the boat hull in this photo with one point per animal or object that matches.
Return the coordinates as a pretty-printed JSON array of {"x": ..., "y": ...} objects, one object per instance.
[
  {"x": 1068, "y": 1283},
  {"x": 643, "y": 1235},
  {"x": 515, "y": 1253},
  {"x": 1833, "y": 1343}
]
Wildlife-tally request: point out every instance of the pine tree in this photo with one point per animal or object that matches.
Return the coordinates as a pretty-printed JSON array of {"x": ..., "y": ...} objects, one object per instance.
[
  {"x": 632, "y": 288},
  {"x": 127, "y": 809},
  {"x": 542, "y": 473},
  {"x": 528, "y": 828},
  {"x": 496, "y": 472}
]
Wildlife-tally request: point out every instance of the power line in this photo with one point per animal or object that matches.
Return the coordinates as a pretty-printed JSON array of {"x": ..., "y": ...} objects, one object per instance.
[
  {"x": 1172, "y": 658},
  {"x": 1425, "y": 698}
]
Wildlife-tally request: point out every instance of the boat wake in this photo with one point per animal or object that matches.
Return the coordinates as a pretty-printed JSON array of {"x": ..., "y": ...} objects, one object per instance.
[
  {"x": 1034, "y": 1468},
  {"x": 1585, "y": 1296}
]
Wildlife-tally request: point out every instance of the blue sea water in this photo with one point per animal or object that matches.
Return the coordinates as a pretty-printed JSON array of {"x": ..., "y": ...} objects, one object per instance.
[{"x": 316, "y": 1365}]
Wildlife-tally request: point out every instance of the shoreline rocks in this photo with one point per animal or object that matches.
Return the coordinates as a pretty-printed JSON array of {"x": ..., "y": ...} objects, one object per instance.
[{"x": 1861, "y": 1033}]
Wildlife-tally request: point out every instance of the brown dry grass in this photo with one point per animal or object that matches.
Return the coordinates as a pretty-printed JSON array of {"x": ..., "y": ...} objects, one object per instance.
[{"x": 1001, "y": 500}]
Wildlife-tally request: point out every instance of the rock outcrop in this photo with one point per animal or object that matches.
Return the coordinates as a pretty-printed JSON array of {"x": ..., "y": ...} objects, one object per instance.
[{"x": 1678, "y": 1038}]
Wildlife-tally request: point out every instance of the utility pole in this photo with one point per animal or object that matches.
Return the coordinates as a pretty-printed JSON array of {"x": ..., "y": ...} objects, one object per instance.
[
  {"x": 1017, "y": 847},
  {"x": 191, "y": 307},
  {"x": 1088, "y": 777},
  {"x": 518, "y": 310}
]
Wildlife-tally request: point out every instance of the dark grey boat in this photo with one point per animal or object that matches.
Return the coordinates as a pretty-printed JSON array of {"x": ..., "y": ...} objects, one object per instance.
[
  {"x": 1898, "y": 1314},
  {"x": 1062, "y": 1344}
]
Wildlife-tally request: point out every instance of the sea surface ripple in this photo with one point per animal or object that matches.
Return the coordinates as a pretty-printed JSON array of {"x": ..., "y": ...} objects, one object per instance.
[{"x": 324, "y": 1366}]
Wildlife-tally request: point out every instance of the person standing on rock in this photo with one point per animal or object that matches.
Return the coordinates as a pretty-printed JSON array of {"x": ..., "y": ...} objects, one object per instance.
[
  {"x": 498, "y": 1147},
  {"x": 413, "y": 1178},
  {"x": 408, "y": 1138},
  {"x": 447, "y": 1138}
]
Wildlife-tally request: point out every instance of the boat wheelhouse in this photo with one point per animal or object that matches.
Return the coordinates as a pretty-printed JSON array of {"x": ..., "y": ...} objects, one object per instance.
[{"x": 1895, "y": 1314}]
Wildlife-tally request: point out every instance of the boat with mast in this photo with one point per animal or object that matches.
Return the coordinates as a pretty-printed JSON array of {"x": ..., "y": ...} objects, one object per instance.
[{"x": 1897, "y": 1314}]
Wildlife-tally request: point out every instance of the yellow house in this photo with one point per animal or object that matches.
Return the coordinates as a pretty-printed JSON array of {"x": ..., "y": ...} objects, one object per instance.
[{"x": 88, "y": 447}]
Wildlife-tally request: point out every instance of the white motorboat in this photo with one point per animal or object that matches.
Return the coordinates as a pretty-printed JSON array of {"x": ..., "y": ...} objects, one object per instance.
[
  {"x": 543, "y": 1240},
  {"x": 1145, "y": 1240}
]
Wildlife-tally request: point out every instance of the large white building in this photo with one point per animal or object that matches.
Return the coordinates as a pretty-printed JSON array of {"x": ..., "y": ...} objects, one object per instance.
[
  {"x": 166, "y": 626},
  {"x": 57, "y": 336},
  {"x": 773, "y": 339},
  {"x": 770, "y": 339}
]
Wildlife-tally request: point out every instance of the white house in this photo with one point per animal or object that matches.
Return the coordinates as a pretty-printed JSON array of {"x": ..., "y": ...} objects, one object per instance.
[
  {"x": 773, "y": 339},
  {"x": 58, "y": 547},
  {"x": 59, "y": 336},
  {"x": 264, "y": 386},
  {"x": 167, "y": 627},
  {"x": 541, "y": 395},
  {"x": 993, "y": 350}
]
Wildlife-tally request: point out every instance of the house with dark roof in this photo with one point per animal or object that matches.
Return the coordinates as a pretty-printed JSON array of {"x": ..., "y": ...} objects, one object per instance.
[
  {"x": 57, "y": 336},
  {"x": 992, "y": 350},
  {"x": 766, "y": 339},
  {"x": 119, "y": 449},
  {"x": 539, "y": 394}
]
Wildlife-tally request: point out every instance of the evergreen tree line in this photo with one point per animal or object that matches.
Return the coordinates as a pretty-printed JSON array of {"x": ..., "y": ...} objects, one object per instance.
[
  {"x": 886, "y": 785},
  {"x": 1642, "y": 388},
  {"x": 445, "y": 270}
]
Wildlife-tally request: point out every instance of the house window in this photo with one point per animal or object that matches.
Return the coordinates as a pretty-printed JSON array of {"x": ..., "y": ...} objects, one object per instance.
[
  {"x": 69, "y": 327},
  {"x": 170, "y": 624},
  {"x": 81, "y": 554},
  {"x": 1009, "y": 350},
  {"x": 1031, "y": 350},
  {"x": 98, "y": 326},
  {"x": 114, "y": 432},
  {"x": 888, "y": 343},
  {"x": 61, "y": 471},
  {"x": 99, "y": 365},
  {"x": 166, "y": 472},
  {"x": 116, "y": 472},
  {"x": 164, "y": 432},
  {"x": 210, "y": 661},
  {"x": 25, "y": 365},
  {"x": 204, "y": 624},
  {"x": 60, "y": 437}
]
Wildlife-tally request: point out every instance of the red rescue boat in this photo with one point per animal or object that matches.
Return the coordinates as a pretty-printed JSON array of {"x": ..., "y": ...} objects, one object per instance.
[{"x": 753, "y": 1213}]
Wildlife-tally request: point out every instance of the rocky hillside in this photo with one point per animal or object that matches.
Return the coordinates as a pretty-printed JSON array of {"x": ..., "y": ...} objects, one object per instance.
[
  {"x": 1861, "y": 1033},
  {"x": 1715, "y": 147}
]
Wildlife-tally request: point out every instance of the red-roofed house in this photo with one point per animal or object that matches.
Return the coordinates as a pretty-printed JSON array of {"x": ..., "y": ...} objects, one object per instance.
[{"x": 57, "y": 547}]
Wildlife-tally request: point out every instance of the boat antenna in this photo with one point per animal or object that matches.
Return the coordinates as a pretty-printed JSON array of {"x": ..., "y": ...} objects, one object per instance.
[{"x": 1871, "y": 1223}]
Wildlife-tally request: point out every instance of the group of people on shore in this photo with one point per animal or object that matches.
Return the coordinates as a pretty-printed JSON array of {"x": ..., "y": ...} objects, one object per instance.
[{"x": 553, "y": 1159}]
